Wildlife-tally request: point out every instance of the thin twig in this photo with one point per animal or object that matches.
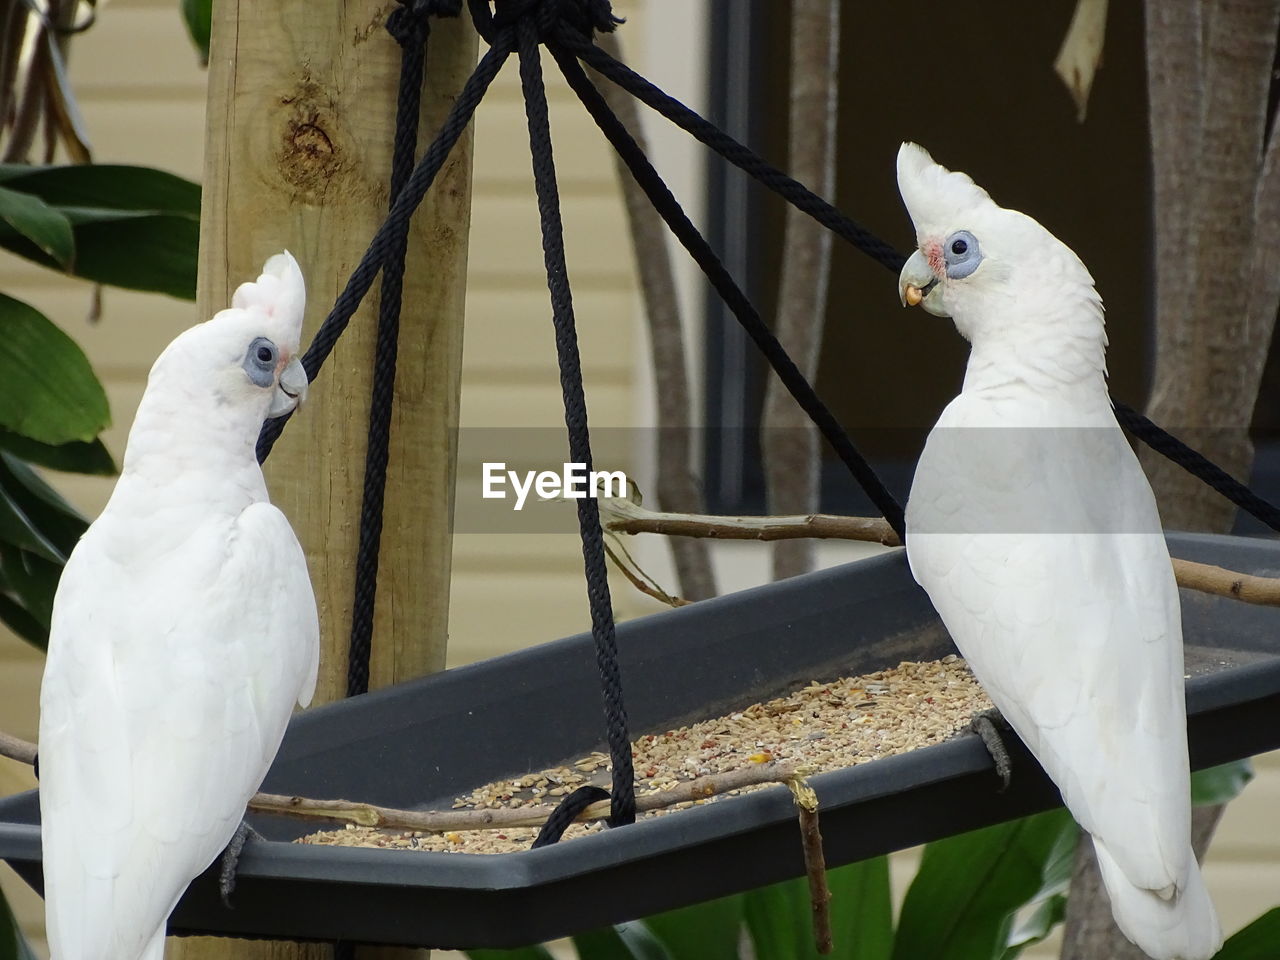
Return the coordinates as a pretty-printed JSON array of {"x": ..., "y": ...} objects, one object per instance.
[
  {"x": 815, "y": 861},
  {"x": 14, "y": 748},
  {"x": 626, "y": 516},
  {"x": 435, "y": 821}
]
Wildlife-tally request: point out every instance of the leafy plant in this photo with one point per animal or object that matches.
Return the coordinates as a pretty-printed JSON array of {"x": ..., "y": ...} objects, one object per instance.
[
  {"x": 129, "y": 227},
  {"x": 983, "y": 895}
]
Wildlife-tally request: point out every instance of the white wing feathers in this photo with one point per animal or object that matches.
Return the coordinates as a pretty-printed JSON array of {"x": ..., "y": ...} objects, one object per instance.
[{"x": 162, "y": 707}]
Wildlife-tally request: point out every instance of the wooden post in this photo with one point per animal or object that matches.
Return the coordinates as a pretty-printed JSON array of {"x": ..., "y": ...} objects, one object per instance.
[{"x": 298, "y": 154}]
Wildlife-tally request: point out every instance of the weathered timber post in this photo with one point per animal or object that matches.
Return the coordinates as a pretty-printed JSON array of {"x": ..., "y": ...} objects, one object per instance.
[{"x": 298, "y": 154}]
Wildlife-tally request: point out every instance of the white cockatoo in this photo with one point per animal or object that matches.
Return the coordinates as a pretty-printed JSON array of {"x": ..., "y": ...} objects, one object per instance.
[
  {"x": 1035, "y": 533},
  {"x": 184, "y": 630}
]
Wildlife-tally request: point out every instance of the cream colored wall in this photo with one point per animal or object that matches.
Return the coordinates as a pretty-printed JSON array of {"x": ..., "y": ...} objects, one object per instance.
[{"x": 143, "y": 97}]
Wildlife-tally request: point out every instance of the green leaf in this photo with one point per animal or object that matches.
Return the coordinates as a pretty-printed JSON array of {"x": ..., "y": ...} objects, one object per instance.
[
  {"x": 1049, "y": 903},
  {"x": 17, "y": 529},
  {"x": 60, "y": 522},
  {"x": 537, "y": 952},
  {"x": 47, "y": 228},
  {"x": 31, "y": 583},
  {"x": 779, "y": 920},
  {"x": 74, "y": 457},
  {"x": 13, "y": 945},
  {"x": 48, "y": 391},
  {"x": 1220, "y": 784},
  {"x": 960, "y": 905},
  {"x": 704, "y": 931},
  {"x": 625, "y": 941},
  {"x": 1257, "y": 941},
  {"x": 134, "y": 227},
  {"x": 155, "y": 252},
  {"x": 14, "y": 616},
  {"x": 106, "y": 186},
  {"x": 861, "y": 911},
  {"x": 198, "y": 15}
]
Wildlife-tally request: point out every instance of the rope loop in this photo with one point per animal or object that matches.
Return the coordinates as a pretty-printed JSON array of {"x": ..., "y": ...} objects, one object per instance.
[
  {"x": 410, "y": 22},
  {"x": 581, "y": 18}
]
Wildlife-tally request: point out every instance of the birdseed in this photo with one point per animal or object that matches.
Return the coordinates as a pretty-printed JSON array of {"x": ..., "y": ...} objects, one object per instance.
[{"x": 825, "y": 725}]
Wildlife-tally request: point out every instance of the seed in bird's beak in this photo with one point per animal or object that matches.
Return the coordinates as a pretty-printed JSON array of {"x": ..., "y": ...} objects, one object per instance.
[{"x": 913, "y": 295}]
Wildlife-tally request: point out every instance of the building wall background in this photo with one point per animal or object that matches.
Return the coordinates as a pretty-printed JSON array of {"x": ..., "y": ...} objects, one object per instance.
[{"x": 142, "y": 94}]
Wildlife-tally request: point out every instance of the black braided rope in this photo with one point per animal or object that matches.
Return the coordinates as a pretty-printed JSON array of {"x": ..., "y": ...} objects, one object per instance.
[
  {"x": 565, "y": 813},
  {"x": 1197, "y": 464},
  {"x": 622, "y": 796},
  {"x": 397, "y": 222},
  {"x": 682, "y": 227},
  {"x": 410, "y": 24},
  {"x": 799, "y": 196},
  {"x": 741, "y": 156}
]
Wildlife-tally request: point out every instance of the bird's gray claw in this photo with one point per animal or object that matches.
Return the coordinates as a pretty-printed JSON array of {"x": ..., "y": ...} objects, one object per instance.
[
  {"x": 987, "y": 725},
  {"x": 231, "y": 860}
]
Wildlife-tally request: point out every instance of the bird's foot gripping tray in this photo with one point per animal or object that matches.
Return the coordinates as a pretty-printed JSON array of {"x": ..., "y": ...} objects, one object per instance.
[{"x": 423, "y": 743}]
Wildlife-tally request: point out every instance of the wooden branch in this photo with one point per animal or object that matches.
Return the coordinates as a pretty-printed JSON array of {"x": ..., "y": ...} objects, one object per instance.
[
  {"x": 625, "y": 516},
  {"x": 436, "y": 821},
  {"x": 17, "y": 749},
  {"x": 815, "y": 862}
]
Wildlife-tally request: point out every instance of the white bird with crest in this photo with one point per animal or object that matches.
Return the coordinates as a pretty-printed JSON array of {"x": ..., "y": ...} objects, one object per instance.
[
  {"x": 184, "y": 630},
  {"x": 1035, "y": 533}
]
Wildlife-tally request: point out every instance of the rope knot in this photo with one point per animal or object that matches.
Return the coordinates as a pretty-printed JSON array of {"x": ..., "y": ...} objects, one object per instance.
[
  {"x": 583, "y": 17},
  {"x": 410, "y": 22}
]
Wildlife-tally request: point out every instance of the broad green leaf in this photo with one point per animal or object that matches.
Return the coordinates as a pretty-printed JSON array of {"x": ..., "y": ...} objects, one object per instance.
[
  {"x": 30, "y": 582},
  {"x": 960, "y": 905},
  {"x": 1049, "y": 904},
  {"x": 625, "y": 941},
  {"x": 13, "y": 945},
  {"x": 17, "y": 529},
  {"x": 105, "y": 186},
  {"x": 48, "y": 391},
  {"x": 14, "y": 616},
  {"x": 704, "y": 931},
  {"x": 1257, "y": 941},
  {"x": 537, "y": 952},
  {"x": 861, "y": 911},
  {"x": 47, "y": 228},
  {"x": 155, "y": 252},
  {"x": 74, "y": 457},
  {"x": 56, "y": 519},
  {"x": 1220, "y": 784},
  {"x": 779, "y": 920},
  {"x": 198, "y": 15}
]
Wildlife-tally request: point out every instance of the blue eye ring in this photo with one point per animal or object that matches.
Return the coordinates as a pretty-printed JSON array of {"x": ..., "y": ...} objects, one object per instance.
[
  {"x": 260, "y": 362},
  {"x": 962, "y": 254}
]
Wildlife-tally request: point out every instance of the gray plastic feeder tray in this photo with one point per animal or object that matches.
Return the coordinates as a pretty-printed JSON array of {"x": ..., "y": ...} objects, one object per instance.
[{"x": 422, "y": 743}]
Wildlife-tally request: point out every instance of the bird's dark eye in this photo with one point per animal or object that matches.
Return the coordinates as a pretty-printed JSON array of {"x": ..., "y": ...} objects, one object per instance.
[
  {"x": 260, "y": 362},
  {"x": 961, "y": 254}
]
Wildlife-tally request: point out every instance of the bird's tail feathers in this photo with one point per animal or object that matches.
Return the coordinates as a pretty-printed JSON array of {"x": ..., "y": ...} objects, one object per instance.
[{"x": 1183, "y": 927}]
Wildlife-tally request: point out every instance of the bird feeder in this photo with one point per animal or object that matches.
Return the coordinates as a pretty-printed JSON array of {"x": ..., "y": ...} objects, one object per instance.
[{"x": 422, "y": 743}]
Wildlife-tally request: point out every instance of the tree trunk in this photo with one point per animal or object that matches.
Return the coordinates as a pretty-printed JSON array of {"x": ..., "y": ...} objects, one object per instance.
[
  {"x": 302, "y": 101},
  {"x": 790, "y": 442},
  {"x": 677, "y": 484},
  {"x": 1217, "y": 247}
]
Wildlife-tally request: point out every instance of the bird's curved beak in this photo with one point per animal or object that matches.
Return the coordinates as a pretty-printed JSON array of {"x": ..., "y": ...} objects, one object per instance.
[
  {"x": 290, "y": 391},
  {"x": 917, "y": 286}
]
